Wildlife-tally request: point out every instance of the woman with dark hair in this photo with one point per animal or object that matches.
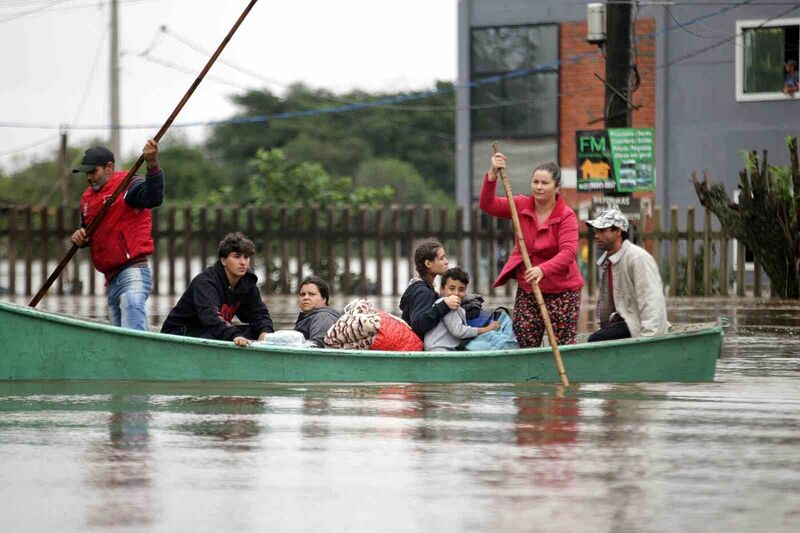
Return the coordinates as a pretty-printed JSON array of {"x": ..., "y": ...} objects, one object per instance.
[
  {"x": 417, "y": 303},
  {"x": 550, "y": 229},
  {"x": 315, "y": 316}
]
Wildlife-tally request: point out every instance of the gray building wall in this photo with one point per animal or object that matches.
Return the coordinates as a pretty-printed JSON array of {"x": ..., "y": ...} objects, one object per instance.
[
  {"x": 699, "y": 123},
  {"x": 702, "y": 124}
]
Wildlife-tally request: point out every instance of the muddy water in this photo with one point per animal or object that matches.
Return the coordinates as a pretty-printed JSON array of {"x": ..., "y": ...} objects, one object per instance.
[{"x": 719, "y": 456}]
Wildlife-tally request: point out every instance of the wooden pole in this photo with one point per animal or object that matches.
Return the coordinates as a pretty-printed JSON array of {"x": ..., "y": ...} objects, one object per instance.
[
  {"x": 124, "y": 185},
  {"x": 536, "y": 291}
]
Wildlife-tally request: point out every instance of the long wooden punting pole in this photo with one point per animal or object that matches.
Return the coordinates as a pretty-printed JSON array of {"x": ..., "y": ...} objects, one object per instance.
[
  {"x": 124, "y": 185},
  {"x": 527, "y": 260}
]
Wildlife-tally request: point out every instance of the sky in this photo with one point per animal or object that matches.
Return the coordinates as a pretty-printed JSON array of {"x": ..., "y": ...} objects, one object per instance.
[{"x": 56, "y": 60}]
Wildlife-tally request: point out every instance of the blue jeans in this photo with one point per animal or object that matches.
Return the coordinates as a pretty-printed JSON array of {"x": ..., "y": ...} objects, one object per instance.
[{"x": 127, "y": 298}]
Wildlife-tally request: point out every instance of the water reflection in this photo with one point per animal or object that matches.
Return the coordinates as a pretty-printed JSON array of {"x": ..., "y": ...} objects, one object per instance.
[
  {"x": 419, "y": 457},
  {"x": 229, "y": 423},
  {"x": 119, "y": 468},
  {"x": 315, "y": 418},
  {"x": 544, "y": 420}
]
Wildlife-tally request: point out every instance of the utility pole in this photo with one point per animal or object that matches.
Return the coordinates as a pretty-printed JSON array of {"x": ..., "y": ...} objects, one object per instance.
[
  {"x": 63, "y": 175},
  {"x": 114, "y": 80},
  {"x": 618, "y": 65}
]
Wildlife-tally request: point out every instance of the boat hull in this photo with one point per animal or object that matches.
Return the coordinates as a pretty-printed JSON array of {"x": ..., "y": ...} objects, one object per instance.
[{"x": 36, "y": 345}]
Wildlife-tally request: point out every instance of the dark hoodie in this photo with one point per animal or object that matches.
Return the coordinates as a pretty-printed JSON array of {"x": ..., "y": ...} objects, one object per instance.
[
  {"x": 316, "y": 323},
  {"x": 417, "y": 307},
  {"x": 209, "y": 304}
]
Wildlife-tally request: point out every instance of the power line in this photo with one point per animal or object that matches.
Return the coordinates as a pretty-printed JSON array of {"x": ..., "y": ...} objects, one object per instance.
[
  {"x": 94, "y": 4},
  {"x": 669, "y": 12},
  {"x": 176, "y": 67},
  {"x": 32, "y": 11},
  {"x": 26, "y": 147},
  {"x": 270, "y": 81},
  {"x": 393, "y": 101},
  {"x": 705, "y": 49},
  {"x": 197, "y": 48},
  {"x": 91, "y": 79}
]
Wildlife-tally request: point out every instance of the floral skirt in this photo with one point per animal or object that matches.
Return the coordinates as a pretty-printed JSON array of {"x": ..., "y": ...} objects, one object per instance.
[{"x": 562, "y": 308}]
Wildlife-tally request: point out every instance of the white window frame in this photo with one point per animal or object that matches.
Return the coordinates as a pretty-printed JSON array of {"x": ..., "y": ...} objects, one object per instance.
[{"x": 742, "y": 25}]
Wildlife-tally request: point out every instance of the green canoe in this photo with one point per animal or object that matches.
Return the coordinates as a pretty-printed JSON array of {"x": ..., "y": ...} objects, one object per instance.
[{"x": 37, "y": 345}]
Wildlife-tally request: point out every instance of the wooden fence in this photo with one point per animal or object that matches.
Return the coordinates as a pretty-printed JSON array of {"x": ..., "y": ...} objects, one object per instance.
[{"x": 362, "y": 251}]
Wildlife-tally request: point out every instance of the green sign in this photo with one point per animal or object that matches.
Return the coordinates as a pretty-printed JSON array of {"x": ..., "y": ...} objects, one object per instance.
[
  {"x": 633, "y": 153},
  {"x": 615, "y": 160}
]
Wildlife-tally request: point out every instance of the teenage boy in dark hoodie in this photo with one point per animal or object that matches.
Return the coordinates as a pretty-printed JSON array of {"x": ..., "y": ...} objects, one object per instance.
[
  {"x": 417, "y": 303},
  {"x": 223, "y": 291}
]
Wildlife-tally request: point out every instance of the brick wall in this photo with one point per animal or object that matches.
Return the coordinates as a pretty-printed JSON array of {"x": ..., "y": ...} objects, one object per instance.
[{"x": 582, "y": 95}]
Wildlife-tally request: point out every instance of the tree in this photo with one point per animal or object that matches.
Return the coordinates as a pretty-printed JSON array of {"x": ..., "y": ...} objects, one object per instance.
[
  {"x": 38, "y": 183},
  {"x": 408, "y": 184},
  {"x": 420, "y": 133},
  {"x": 767, "y": 217},
  {"x": 275, "y": 181},
  {"x": 190, "y": 175},
  {"x": 337, "y": 157}
]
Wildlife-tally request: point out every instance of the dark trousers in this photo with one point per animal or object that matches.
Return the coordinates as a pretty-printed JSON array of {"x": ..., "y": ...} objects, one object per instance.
[{"x": 615, "y": 330}]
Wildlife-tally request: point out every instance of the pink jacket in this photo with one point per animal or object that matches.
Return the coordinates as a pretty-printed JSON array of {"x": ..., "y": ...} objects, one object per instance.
[{"x": 553, "y": 246}]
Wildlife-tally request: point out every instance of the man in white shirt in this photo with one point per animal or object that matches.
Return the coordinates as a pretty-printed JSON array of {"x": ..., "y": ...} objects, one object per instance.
[{"x": 631, "y": 300}]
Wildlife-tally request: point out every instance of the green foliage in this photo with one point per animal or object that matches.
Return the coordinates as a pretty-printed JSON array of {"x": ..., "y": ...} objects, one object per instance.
[
  {"x": 276, "y": 181},
  {"x": 409, "y": 186},
  {"x": 337, "y": 157},
  {"x": 190, "y": 176},
  {"x": 418, "y": 134},
  {"x": 781, "y": 182},
  {"x": 39, "y": 182},
  {"x": 780, "y": 177},
  {"x": 341, "y": 141}
]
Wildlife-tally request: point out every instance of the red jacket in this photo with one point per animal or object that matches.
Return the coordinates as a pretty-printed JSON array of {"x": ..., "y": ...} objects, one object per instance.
[
  {"x": 553, "y": 246},
  {"x": 124, "y": 234}
]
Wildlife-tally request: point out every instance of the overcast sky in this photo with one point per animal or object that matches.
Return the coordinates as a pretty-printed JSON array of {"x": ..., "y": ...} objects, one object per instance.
[{"x": 55, "y": 59}]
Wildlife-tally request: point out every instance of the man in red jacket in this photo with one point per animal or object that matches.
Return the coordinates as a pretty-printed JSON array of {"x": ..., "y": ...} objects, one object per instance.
[{"x": 122, "y": 241}]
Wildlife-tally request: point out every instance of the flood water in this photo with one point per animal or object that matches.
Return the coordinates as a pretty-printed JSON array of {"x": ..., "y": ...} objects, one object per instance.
[{"x": 722, "y": 456}]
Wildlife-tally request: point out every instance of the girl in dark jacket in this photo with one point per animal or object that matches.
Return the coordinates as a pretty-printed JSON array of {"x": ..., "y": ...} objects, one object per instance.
[
  {"x": 417, "y": 301},
  {"x": 315, "y": 316}
]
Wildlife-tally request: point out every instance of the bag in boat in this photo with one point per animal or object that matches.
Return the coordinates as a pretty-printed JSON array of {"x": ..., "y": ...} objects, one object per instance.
[
  {"x": 394, "y": 335},
  {"x": 356, "y": 328},
  {"x": 363, "y": 327},
  {"x": 286, "y": 337},
  {"x": 472, "y": 304},
  {"x": 499, "y": 339}
]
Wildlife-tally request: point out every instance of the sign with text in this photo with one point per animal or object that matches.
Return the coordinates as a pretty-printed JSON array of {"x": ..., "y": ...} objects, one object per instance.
[
  {"x": 630, "y": 207},
  {"x": 615, "y": 160}
]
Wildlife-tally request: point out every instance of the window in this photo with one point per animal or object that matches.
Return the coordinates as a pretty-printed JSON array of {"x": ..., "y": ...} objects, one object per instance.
[
  {"x": 521, "y": 112},
  {"x": 762, "y": 49},
  {"x": 523, "y": 156},
  {"x": 524, "y": 106}
]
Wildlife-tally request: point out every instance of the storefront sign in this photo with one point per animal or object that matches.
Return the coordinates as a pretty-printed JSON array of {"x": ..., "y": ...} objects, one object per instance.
[
  {"x": 630, "y": 207},
  {"x": 615, "y": 160}
]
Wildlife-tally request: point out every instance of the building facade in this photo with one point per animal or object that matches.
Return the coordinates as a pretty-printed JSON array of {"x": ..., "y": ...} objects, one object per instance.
[{"x": 710, "y": 86}]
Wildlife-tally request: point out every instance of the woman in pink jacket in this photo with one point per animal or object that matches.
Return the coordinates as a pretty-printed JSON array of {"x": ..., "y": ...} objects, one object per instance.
[{"x": 550, "y": 229}]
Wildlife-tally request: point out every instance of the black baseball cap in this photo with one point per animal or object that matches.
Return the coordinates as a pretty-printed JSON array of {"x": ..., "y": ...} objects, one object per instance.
[{"x": 97, "y": 155}]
